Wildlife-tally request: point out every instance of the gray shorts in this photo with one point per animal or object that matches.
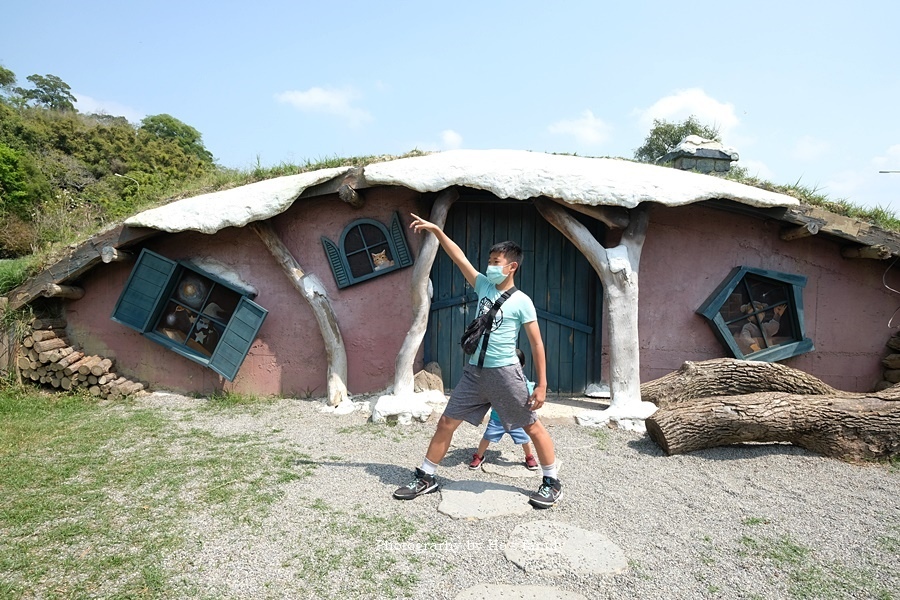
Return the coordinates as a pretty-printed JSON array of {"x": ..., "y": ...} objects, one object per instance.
[{"x": 503, "y": 388}]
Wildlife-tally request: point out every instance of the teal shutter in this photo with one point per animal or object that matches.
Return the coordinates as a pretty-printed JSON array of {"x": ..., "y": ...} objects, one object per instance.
[
  {"x": 403, "y": 257},
  {"x": 341, "y": 275},
  {"x": 144, "y": 290},
  {"x": 238, "y": 337}
]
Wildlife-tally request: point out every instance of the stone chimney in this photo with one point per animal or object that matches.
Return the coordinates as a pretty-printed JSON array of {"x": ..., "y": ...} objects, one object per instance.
[{"x": 695, "y": 153}]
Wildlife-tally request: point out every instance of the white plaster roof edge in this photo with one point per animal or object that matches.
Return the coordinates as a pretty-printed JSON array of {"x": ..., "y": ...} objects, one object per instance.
[
  {"x": 517, "y": 174},
  {"x": 521, "y": 174},
  {"x": 208, "y": 213}
]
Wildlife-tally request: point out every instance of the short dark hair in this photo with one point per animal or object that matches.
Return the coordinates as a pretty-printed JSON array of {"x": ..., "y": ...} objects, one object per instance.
[
  {"x": 521, "y": 356},
  {"x": 511, "y": 250}
]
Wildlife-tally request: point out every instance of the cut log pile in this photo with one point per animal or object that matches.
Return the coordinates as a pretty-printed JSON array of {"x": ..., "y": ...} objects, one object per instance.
[
  {"x": 46, "y": 357},
  {"x": 891, "y": 364}
]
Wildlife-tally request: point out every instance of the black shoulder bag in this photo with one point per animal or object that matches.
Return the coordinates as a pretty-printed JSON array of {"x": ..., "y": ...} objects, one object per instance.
[{"x": 481, "y": 326}]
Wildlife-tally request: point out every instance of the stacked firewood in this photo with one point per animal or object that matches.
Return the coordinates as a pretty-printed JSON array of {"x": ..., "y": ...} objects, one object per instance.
[
  {"x": 47, "y": 357},
  {"x": 891, "y": 364}
]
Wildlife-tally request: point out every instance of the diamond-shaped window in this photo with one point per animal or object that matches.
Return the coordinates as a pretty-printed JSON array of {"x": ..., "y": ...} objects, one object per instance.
[{"x": 758, "y": 314}]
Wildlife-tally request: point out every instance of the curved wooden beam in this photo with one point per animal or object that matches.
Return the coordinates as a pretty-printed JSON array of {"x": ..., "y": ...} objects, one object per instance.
[
  {"x": 314, "y": 293},
  {"x": 403, "y": 367},
  {"x": 618, "y": 270}
]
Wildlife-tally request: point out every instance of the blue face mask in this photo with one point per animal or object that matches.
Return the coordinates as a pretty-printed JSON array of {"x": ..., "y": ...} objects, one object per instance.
[{"x": 495, "y": 274}]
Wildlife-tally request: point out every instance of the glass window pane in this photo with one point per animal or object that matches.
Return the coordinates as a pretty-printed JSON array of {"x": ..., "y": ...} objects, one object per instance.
[
  {"x": 372, "y": 235},
  {"x": 354, "y": 241},
  {"x": 360, "y": 264}
]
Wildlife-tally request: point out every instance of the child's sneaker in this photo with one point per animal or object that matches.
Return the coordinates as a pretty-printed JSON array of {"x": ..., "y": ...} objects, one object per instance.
[
  {"x": 476, "y": 461},
  {"x": 422, "y": 484},
  {"x": 532, "y": 463},
  {"x": 547, "y": 494}
]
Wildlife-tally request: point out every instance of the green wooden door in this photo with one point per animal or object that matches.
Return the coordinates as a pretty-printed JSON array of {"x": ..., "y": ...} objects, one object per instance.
[{"x": 565, "y": 289}]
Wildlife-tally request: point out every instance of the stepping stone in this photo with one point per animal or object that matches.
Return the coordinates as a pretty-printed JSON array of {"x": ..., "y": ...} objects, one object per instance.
[
  {"x": 550, "y": 548},
  {"x": 488, "y": 591},
  {"x": 475, "y": 500}
]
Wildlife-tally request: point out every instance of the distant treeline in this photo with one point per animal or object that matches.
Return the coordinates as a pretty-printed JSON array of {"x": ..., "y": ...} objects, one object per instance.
[{"x": 62, "y": 171}]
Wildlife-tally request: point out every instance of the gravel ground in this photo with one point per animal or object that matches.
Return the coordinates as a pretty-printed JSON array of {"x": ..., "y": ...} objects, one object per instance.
[{"x": 756, "y": 521}]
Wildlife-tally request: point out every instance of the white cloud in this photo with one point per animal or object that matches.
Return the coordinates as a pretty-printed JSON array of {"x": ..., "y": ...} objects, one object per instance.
[
  {"x": 451, "y": 140},
  {"x": 587, "y": 129},
  {"x": 87, "y": 105},
  {"x": 810, "y": 148},
  {"x": 338, "y": 103},
  {"x": 694, "y": 101},
  {"x": 757, "y": 168},
  {"x": 890, "y": 161}
]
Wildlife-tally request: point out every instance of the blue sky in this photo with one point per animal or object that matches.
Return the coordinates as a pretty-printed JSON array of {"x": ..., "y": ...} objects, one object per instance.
[{"x": 804, "y": 91}]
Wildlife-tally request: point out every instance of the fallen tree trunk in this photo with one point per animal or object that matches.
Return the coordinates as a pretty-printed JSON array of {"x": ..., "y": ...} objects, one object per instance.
[
  {"x": 847, "y": 426},
  {"x": 725, "y": 401},
  {"x": 730, "y": 377}
]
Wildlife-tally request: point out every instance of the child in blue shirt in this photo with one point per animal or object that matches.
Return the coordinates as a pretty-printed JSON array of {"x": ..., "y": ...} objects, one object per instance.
[{"x": 494, "y": 432}]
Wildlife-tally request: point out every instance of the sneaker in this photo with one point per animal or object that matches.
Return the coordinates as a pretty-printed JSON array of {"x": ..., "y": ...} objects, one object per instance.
[
  {"x": 532, "y": 463},
  {"x": 476, "y": 461},
  {"x": 547, "y": 494},
  {"x": 422, "y": 484}
]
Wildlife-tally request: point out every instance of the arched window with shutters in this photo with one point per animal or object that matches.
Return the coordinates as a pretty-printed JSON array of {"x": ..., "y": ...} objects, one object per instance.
[{"x": 367, "y": 249}]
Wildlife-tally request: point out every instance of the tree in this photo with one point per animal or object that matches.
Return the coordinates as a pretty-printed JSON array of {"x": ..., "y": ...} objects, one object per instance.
[
  {"x": 50, "y": 92},
  {"x": 7, "y": 78},
  {"x": 167, "y": 127},
  {"x": 664, "y": 136}
]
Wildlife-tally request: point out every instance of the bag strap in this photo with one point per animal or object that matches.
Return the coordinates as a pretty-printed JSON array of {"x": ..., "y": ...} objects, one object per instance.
[{"x": 490, "y": 322}]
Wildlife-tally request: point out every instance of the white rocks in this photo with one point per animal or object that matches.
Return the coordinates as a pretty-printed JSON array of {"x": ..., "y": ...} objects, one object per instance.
[
  {"x": 552, "y": 548},
  {"x": 406, "y": 407},
  {"x": 629, "y": 417}
]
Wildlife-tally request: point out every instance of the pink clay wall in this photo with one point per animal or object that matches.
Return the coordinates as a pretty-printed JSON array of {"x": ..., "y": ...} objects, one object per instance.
[
  {"x": 288, "y": 358},
  {"x": 690, "y": 250}
]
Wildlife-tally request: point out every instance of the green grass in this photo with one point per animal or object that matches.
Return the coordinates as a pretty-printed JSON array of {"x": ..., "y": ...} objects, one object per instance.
[
  {"x": 96, "y": 499},
  {"x": 812, "y": 578},
  {"x": 14, "y": 271}
]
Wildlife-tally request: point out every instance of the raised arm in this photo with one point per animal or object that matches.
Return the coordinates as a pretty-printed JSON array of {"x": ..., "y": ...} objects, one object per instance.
[{"x": 450, "y": 247}]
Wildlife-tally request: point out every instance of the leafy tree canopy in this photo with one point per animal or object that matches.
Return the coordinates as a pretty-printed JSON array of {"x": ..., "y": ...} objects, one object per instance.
[
  {"x": 7, "y": 78},
  {"x": 664, "y": 136},
  {"x": 168, "y": 127},
  {"x": 50, "y": 92}
]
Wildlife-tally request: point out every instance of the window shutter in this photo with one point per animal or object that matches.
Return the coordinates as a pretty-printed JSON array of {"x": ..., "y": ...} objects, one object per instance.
[
  {"x": 341, "y": 276},
  {"x": 144, "y": 290},
  {"x": 238, "y": 337},
  {"x": 403, "y": 257}
]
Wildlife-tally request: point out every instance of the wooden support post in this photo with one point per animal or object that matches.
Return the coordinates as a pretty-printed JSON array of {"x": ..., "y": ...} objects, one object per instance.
[
  {"x": 314, "y": 293},
  {"x": 69, "y": 292},
  {"x": 796, "y": 233},
  {"x": 110, "y": 254}
]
